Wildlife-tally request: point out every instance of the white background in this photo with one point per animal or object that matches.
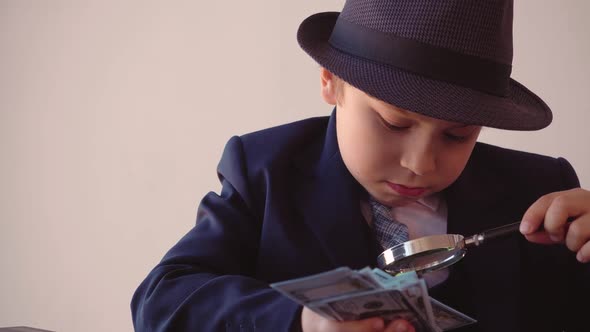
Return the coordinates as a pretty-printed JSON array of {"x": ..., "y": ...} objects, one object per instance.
[{"x": 113, "y": 116}]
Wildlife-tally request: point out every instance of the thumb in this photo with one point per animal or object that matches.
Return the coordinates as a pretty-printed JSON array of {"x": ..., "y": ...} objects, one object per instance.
[
  {"x": 374, "y": 324},
  {"x": 400, "y": 325}
]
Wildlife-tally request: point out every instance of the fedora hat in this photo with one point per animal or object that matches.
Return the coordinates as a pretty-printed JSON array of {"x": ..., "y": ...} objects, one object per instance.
[{"x": 447, "y": 59}]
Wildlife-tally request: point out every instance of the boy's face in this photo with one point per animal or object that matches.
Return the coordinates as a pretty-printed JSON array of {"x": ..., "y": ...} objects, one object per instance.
[{"x": 396, "y": 155}]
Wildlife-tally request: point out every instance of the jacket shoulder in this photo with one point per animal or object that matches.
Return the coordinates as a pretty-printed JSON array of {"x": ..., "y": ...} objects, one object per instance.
[
  {"x": 251, "y": 162},
  {"x": 283, "y": 142},
  {"x": 525, "y": 167}
]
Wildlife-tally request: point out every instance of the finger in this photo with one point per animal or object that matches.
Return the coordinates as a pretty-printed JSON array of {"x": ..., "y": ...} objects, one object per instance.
[
  {"x": 552, "y": 211},
  {"x": 578, "y": 233},
  {"x": 583, "y": 255},
  {"x": 556, "y": 217},
  {"x": 571, "y": 203},
  {"x": 539, "y": 237},
  {"x": 311, "y": 321},
  {"x": 400, "y": 325},
  {"x": 365, "y": 325},
  {"x": 535, "y": 215}
]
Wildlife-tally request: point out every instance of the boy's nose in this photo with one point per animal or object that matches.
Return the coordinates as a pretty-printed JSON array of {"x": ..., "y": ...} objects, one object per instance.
[{"x": 420, "y": 159}]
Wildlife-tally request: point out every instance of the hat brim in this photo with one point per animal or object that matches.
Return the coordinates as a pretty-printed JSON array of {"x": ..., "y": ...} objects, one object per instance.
[{"x": 521, "y": 109}]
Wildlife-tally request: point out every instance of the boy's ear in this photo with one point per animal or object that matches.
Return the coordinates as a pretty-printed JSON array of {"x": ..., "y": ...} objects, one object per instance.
[{"x": 328, "y": 88}]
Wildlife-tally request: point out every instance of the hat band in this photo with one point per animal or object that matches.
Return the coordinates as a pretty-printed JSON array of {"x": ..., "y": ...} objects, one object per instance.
[{"x": 420, "y": 58}]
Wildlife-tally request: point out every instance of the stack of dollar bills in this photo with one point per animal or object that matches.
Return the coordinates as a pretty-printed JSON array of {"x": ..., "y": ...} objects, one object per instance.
[{"x": 344, "y": 294}]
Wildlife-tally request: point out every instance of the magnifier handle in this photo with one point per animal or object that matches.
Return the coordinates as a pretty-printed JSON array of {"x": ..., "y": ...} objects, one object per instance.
[
  {"x": 493, "y": 233},
  {"x": 501, "y": 231}
]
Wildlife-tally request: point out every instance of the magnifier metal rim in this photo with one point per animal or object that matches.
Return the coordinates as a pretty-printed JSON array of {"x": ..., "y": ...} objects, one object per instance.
[{"x": 392, "y": 257}]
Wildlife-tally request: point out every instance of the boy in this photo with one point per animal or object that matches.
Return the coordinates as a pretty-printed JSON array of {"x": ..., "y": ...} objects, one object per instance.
[{"x": 413, "y": 82}]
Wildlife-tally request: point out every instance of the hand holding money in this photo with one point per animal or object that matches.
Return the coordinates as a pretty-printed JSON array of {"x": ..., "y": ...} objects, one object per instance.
[
  {"x": 313, "y": 322},
  {"x": 369, "y": 300}
]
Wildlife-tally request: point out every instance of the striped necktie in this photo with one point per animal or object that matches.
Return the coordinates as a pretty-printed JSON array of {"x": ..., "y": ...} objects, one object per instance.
[{"x": 388, "y": 231}]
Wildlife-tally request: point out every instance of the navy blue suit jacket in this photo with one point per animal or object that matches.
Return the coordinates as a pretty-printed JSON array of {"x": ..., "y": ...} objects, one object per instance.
[{"x": 289, "y": 208}]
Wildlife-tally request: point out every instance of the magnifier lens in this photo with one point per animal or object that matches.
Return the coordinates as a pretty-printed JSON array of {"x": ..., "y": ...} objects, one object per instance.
[{"x": 426, "y": 261}]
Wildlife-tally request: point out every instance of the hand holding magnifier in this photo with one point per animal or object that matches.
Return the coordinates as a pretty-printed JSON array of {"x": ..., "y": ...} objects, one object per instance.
[{"x": 431, "y": 253}]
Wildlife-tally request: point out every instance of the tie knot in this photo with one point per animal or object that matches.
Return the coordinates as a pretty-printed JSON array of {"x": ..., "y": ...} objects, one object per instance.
[
  {"x": 383, "y": 211},
  {"x": 388, "y": 232}
]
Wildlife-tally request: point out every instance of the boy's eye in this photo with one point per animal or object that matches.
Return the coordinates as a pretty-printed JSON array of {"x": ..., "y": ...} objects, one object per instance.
[
  {"x": 456, "y": 138},
  {"x": 460, "y": 134},
  {"x": 395, "y": 126}
]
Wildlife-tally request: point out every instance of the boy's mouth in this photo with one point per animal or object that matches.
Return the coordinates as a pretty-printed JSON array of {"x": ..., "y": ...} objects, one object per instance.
[{"x": 406, "y": 191}]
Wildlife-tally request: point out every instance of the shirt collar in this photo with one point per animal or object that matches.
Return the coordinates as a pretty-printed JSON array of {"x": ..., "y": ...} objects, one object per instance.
[{"x": 432, "y": 201}]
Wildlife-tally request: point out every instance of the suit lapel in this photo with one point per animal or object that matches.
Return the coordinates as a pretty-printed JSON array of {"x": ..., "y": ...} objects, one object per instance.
[
  {"x": 329, "y": 201},
  {"x": 476, "y": 202},
  {"x": 472, "y": 196}
]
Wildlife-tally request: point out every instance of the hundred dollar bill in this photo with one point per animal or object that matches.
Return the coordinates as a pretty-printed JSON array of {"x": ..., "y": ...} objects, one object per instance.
[
  {"x": 368, "y": 275},
  {"x": 412, "y": 286},
  {"x": 323, "y": 285},
  {"x": 447, "y": 318},
  {"x": 417, "y": 293},
  {"x": 389, "y": 304}
]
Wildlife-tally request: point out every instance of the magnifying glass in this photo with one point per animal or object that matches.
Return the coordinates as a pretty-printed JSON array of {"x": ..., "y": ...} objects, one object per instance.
[{"x": 435, "y": 252}]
